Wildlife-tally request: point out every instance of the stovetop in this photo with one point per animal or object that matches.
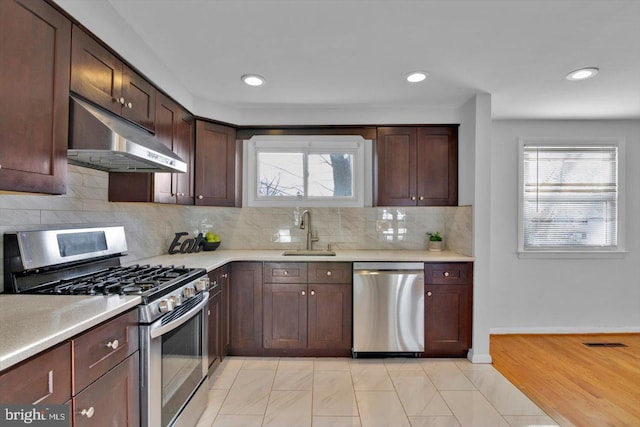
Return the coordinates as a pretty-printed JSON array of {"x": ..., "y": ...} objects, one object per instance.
[{"x": 151, "y": 282}]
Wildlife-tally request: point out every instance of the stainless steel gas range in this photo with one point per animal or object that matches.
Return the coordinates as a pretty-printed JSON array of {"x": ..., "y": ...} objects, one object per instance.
[{"x": 172, "y": 315}]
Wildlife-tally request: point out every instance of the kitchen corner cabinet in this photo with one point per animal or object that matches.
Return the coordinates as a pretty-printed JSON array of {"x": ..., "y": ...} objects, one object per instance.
[
  {"x": 448, "y": 309},
  {"x": 102, "y": 78},
  {"x": 417, "y": 166},
  {"x": 246, "y": 309},
  {"x": 307, "y": 308},
  {"x": 35, "y": 42},
  {"x": 215, "y": 165},
  {"x": 174, "y": 129}
]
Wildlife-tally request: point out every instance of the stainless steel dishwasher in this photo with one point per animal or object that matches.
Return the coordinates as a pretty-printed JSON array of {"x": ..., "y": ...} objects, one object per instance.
[{"x": 388, "y": 307}]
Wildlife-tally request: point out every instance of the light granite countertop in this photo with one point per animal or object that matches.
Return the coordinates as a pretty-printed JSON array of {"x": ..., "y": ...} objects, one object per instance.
[
  {"x": 33, "y": 323},
  {"x": 214, "y": 259},
  {"x": 30, "y": 324}
]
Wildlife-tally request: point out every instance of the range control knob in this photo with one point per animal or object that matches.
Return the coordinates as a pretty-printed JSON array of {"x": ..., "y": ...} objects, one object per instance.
[
  {"x": 165, "y": 306},
  {"x": 202, "y": 284},
  {"x": 188, "y": 292},
  {"x": 176, "y": 300}
]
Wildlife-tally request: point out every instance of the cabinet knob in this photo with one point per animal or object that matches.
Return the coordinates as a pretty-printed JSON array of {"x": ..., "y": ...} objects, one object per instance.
[
  {"x": 313, "y": 292},
  {"x": 200, "y": 197},
  {"x": 303, "y": 293},
  {"x": 413, "y": 197},
  {"x": 88, "y": 412},
  {"x": 329, "y": 273},
  {"x": 129, "y": 105},
  {"x": 421, "y": 197},
  {"x": 121, "y": 100},
  {"x": 285, "y": 272},
  {"x": 429, "y": 294},
  {"x": 445, "y": 274},
  {"x": 208, "y": 312},
  {"x": 182, "y": 194},
  {"x": 113, "y": 344}
]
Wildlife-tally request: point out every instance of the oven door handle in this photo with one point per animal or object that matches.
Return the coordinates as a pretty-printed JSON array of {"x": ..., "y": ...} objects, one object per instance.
[{"x": 159, "y": 329}]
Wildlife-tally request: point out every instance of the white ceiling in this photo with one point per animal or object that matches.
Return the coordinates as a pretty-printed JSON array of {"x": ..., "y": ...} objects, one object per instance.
[{"x": 349, "y": 55}]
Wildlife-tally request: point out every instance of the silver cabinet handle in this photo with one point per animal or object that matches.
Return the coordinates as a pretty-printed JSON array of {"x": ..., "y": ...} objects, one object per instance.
[
  {"x": 303, "y": 293},
  {"x": 129, "y": 105},
  {"x": 329, "y": 273},
  {"x": 121, "y": 100},
  {"x": 413, "y": 197},
  {"x": 421, "y": 198},
  {"x": 313, "y": 292},
  {"x": 429, "y": 294},
  {"x": 113, "y": 344},
  {"x": 285, "y": 272},
  {"x": 88, "y": 412},
  {"x": 200, "y": 197},
  {"x": 445, "y": 274}
]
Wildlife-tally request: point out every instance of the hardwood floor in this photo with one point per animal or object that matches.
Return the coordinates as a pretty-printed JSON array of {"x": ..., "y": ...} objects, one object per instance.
[{"x": 574, "y": 384}]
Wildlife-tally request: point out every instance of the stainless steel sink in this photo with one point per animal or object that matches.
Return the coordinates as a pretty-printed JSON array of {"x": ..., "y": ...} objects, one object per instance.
[{"x": 305, "y": 252}]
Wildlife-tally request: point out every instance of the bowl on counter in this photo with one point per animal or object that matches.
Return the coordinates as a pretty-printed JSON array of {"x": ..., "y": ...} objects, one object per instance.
[{"x": 210, "y": 246}]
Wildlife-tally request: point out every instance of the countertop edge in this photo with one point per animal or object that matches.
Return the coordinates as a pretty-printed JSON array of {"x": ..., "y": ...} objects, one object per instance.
[{"x": 10, "y": 357}]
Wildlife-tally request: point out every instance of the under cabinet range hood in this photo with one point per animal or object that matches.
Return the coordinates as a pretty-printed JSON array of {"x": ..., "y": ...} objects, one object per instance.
[{"x": 102, "y": 141}]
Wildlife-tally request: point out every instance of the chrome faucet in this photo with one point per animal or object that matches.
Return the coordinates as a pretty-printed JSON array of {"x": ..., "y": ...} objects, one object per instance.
[{"x": 306, "y": 222}]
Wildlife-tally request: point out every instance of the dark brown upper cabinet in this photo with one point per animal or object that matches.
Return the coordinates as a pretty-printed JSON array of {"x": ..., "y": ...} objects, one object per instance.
[
  {"x": 417, "y": 166},
  {"x": 174, "y": 129},
  {"x": 215, "y": 165},
  {"x": 101, "y": 77},
  {"x": 35, "y": 42}
]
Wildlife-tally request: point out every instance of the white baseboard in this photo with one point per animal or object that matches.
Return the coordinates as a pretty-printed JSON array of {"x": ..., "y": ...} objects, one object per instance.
[
  {"x": 565, "y": 330},
  {"x": 478, "y": 358}
]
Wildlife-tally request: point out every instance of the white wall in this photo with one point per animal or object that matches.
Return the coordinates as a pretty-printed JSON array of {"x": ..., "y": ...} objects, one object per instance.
[{"x": 560, "y": 295}]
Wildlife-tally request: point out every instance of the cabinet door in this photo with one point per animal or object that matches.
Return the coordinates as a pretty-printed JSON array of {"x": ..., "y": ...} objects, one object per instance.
[
  {"x": 215, "y": 165},
  {"x": 167, "y": 112},
  {"x": 213, "y": 330},
  {"x": 96, "y": 73},
  {"x": 185, "y": 148},
  {"x": 139, "y": 99},
  {"x": 437, "y": 154},
  {"x": 225, "y": 307},
  {"x": 285, "y": 315},
  {"x": 447, "y": 320},
  {"x": 330, "y": 314},
  {"x": 45, "y": 379},
  {"x": 246, "y": 308},
  {"x": 396, "y": 157},
  {"x": 35, "y": 42},
  {"x": 113, "y": 400}
]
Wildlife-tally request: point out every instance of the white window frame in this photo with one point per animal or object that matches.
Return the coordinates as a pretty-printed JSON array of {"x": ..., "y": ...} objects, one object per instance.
[
  {"x": 617, "y": 251},
  {"x": 353, "y": 144}
]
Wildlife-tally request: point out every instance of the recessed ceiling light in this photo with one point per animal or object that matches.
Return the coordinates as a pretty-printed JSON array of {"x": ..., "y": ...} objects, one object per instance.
[
  {"x": 582, "y": 74},
  {"x": 417, "y": 76},
  {"x": 253, "y": 79}
]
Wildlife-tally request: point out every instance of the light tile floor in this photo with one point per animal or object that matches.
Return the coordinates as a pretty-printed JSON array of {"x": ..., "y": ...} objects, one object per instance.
[{"x": 342, "y": 392}]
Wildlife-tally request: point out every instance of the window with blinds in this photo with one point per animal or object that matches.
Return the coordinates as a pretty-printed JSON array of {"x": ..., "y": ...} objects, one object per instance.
[{"x": 569, "y": 197}]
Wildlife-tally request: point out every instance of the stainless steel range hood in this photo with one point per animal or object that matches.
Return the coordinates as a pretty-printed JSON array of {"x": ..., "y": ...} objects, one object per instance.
[{"x": 103, "y": 141}]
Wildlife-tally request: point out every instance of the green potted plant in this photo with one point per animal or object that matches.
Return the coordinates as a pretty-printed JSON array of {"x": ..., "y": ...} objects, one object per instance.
[{"x": 435, "y": 241}]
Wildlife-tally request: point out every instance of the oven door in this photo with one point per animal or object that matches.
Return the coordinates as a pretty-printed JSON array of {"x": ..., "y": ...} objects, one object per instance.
[{"x": 174, "y": 365}]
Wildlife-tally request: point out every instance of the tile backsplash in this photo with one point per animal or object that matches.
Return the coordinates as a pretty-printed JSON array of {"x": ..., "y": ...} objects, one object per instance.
[{"x": 150, "y": 227}]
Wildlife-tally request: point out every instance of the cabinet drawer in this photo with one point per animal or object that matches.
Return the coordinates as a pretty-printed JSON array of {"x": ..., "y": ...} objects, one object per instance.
[
  {"x": 100, "y": 349},
  {"x": 285, "y": 272},
  {"x": 113, "y": 400},
  {"x": 330, "y": 272},
  {"x": 45, "y": 379},
  {"x": 455, "y": 273}
]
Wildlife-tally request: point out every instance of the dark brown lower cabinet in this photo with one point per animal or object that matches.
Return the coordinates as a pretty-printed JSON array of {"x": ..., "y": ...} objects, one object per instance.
[
  {"x": 285, "y": 315},
  {"x": 448, "y": 308},
  {"x": 113, "y": 400},
  {"x": 214, "y": 326},
  {"x": 330, "y": 317},
  {"x": 246, "y": 309}
]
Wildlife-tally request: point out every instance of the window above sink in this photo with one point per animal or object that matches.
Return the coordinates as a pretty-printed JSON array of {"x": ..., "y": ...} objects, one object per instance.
[{"x": 312, "y": 171}]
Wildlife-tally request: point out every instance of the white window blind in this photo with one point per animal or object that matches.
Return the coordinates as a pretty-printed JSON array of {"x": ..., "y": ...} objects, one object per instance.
[{"x": 570, "y": 197}]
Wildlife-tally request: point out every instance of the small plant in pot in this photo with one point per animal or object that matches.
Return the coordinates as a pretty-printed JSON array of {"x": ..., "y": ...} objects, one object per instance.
[{"x": 435, "y": 241}]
